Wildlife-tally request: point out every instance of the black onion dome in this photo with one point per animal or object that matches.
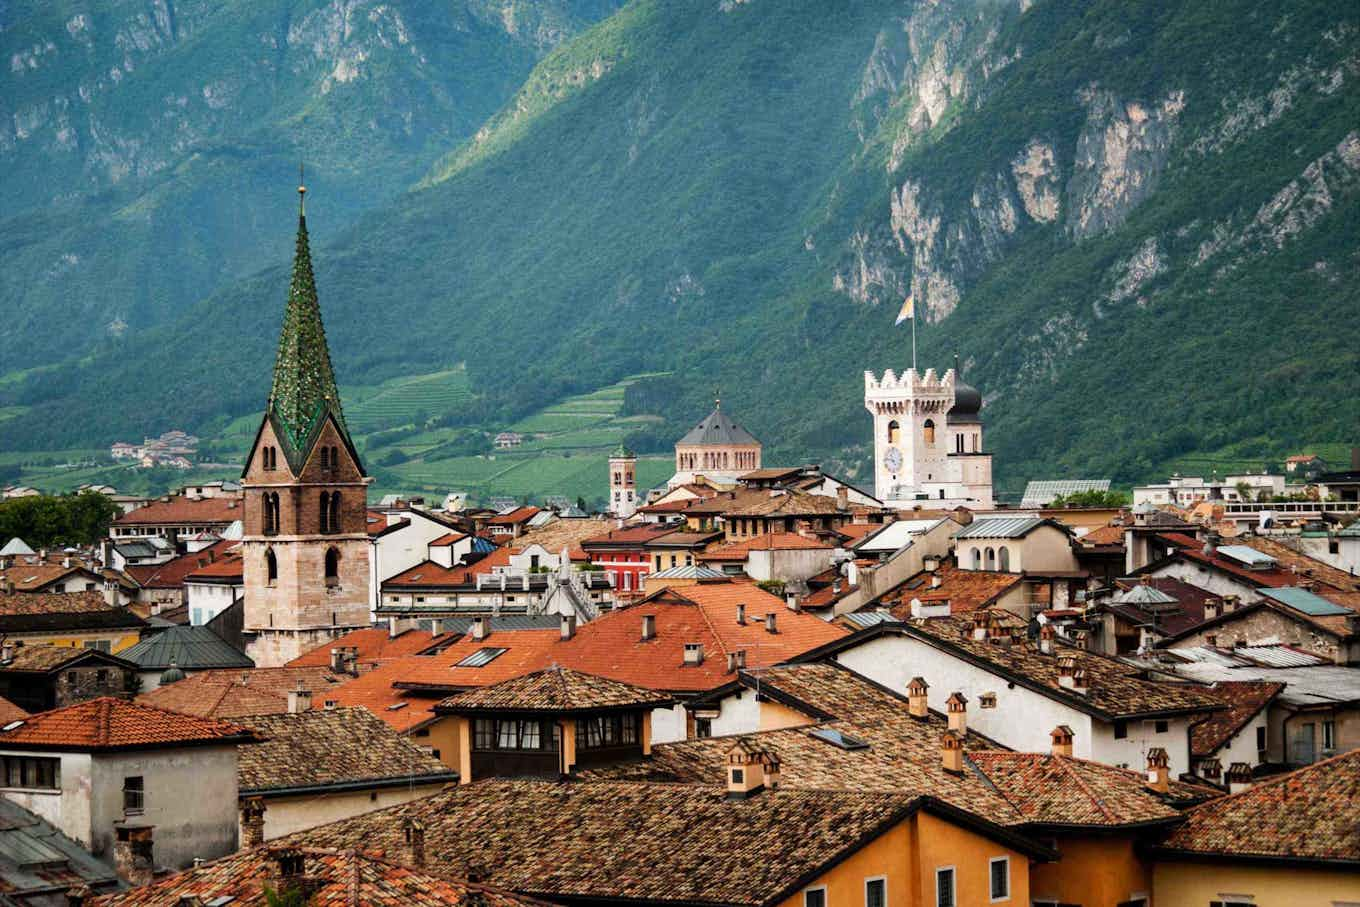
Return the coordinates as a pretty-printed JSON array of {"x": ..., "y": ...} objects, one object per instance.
[{"x": 967, "y": 402}]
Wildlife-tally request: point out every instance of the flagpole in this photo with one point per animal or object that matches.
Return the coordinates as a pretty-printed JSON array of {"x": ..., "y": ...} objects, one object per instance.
[{"x": 913, "y": 333}]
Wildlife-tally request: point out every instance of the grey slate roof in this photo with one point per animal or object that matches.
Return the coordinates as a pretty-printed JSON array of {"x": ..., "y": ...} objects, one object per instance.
[
  {"x": 191, "y": 648},
  {"x": 1003, "y": 527},
  {"x": 16, "y": 546},
  {"x": 1301, "y": 599},
  {"x": 688, "y": 571},
  {"x": 717, "y": 428},
  {"x": 1144, "y": 594},
  {"x": 35, "y": 857}
]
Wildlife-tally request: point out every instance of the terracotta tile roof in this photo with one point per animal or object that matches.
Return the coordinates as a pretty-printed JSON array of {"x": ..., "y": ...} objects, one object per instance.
[
  {"x": 1061, "y": 790},
  {"x": 1102, "y": 536},
  {"x": 116, "y": 724},
  {"x": 1306, "y": 815},
  {"x": 185, "y": 511},
  {"x": 44, "y": 658},
  {"x": 171, "y": 574},
  {"x": 965, "y": 590},
  {"x": 31, "y": 577},
  {"x": 514, "y": 517},
  {"x": 374, "y": 645},
  {"x": 637, "y": 841},
  {"x": 683, "y": 539},
  {"x": 627, "y": 536},
  {"x": 233, "y": 693},
  {"x": 1116, "y": 690},
  {"x": 23, "y": 603},
  {"x": 561, "y": 533},
  {"x": 342, "y": 878},
  {"x": 1284, "y": 574},
  {"x": 770, "y": 541},
  {"x": 1309, "y": 568},
  {"x": 555, "y": 689},
  {"x": 855, "y": 531},
  {"x": 781, "y": 502},
  {"x": 227, "y": 568},
  {"x": 1244, "y": 700},
  {"x": 432, "y": 575},
  {"x": 447, "y": 538},
  {"x": 10, "y": 712},
  {"x": 902, "y": 756},
  {"x": 25, "y": 612},
  {"x": 322, "y": 748}
]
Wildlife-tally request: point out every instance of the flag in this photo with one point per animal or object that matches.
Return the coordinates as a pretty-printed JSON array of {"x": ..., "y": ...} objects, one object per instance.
[{"x": 908, "y": 312}]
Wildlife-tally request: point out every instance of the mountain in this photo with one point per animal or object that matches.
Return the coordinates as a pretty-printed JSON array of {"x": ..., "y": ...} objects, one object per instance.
[
  {"x": 1135, "y": 222},
  {"x": 144, "y": 144}
]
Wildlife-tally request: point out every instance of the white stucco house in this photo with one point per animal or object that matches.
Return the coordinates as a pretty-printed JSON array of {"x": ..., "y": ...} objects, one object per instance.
[{"x": 107, "y": 764}]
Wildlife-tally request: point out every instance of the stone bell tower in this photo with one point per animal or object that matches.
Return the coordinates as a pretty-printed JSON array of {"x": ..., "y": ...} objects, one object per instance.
[
  {"x": 622, "y": 483},
  {"x": 305, "y": 547}
]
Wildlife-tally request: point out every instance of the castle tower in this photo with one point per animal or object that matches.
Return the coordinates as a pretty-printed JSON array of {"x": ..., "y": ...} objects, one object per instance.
[
  {"x": 927, "y": 440},
  {"x": 622, "y": 483},
  {"x": 305, "y": 547}
]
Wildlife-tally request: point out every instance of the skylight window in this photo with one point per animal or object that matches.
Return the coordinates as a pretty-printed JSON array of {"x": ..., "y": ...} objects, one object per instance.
[
  {"x": 838, "y": 739},
  {"x": 481, "y": 658},
  {"x": 12, "y": 725}
]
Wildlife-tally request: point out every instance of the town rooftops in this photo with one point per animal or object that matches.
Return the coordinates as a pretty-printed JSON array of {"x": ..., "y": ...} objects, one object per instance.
[
  {"x": 334, "y": 878},
  {"x": 45, "y": 611},
  {"x": 331, "y": 749},
  {"x": 1061, "y": 791},
  {"x": 189, "y": 648},
  {"x": 639, "y": 841},
  {"x": 375, "y": 644},
  {"x": 108, "y": 724},
  {"x": 232, "y": 693},
  {"x": 1006, "y": 527},
  {"x": 182, "y": 511},
  {"x": 1244, "y": 700},
  {"x": 1305, "y": 816},
  {"x": 555, "y": 689}
]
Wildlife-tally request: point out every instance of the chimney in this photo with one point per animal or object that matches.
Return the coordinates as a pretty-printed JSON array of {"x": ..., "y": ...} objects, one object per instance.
[
  {"x": 842, "y": 497},
  {"x": 1211, "y": 640},
  {"x": 791, "y": 601},
  {"x": 300, "y": 699},
  {"x": 1211, "y": 769},
  {"x": 66, "y": 563},
  {"x": 1158, "y": 770},
  {"x": 648, "y": 627},
  {"x": 936, "y": 581},
  {"x": 1239, "y": 777},
  {"x": 957, "y": 707},
  {"x": 568, "y": 624},
  {"x": 1062, "y": 740},
  {"x": 132, "y": 853},
  {"x": 413, "y": 830},
  {"x": 951, "y": 752},
  {"x": 1230, "y": 603},
  {"x": 741, "y": 613},
  {"x": 772, "y": 768},
  {"x": 770, "y": 626},
  {"x": 745, "y": 770},
  {"x": 930, "y": 563},
  {"x": 79, "y": 896},
  {"x": 7, "y": 651},
  {"x": 436, "y": 627},
  {"x": 337, "y": 661},
  {"x": 479, "y": 630},
  {"x": 1071, "y": 677},
  {"x": 917, "y": 706},
  {"x": 1046, "y": 637},
  {"x": 694, "y": 653},
  {"x": 252, "y": 823},
  {"x": 1211, "y": 608},
  {"x": 979, "y": 629}
]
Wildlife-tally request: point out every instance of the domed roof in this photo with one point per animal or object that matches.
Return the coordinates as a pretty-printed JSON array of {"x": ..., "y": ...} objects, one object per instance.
[
  {"x": 172, "y": 674},
  {"x": 967, "y": 403}
]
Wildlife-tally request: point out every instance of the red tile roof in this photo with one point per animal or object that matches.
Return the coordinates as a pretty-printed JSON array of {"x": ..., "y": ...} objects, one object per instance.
[
  {"x": 374, "y": 645},
  {"x": 770, "y": 541},
  {"x": 1244, "y": 699},
  {"x": 448, "y": 538},
  {"x": 965, "y": 590},
  {"x": 555, "y": 689},
  {"x": 1102, "y": 536},
  {"x": 628, "y": 536},
  {"x": 116, "y": 724},
  {"x": 1308, "y": 815},
  {"x": 514, "y": 517},
  {"x": 430, "y": 574},
  {"x": 171, "y": 574},
  {"x": 184, "y": 511},
  {"x": 234, "y": 692}
]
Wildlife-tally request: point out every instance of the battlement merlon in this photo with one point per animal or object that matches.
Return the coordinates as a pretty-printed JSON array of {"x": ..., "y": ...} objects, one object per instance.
[{"x": 909, "y": 384}]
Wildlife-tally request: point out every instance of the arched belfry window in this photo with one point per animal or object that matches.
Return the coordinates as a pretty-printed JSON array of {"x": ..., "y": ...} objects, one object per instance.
[
  {"x": 271, "y": 568},
  {"x": 332, "y": 567},
  {"x": 894, "y": 432},
  {"x": 271, "y": 512},
  {"x": 928, "y": 431}
]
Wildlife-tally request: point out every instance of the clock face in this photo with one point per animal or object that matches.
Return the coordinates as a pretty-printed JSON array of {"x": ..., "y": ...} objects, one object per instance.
[{"x": 893, "y": 459}]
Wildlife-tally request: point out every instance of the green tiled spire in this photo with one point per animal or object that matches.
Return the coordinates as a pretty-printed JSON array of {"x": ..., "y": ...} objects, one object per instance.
[{"x": 304, "y": 387}]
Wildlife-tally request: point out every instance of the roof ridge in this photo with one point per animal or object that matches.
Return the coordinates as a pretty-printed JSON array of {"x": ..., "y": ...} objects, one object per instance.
[{"x": 1086, "y": 788}]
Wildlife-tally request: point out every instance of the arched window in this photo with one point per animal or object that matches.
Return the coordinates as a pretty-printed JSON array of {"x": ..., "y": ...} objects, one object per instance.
[
  {"x": 325, "y": 459},
  {"x": 928, "y": 431},
  {"x": 332, "y": 567},
  {"x": 991, "y": 559},
  {"x": 977, "y": 559},
  {"x": 894, "y": 432},
  {"x": 335, "y": 512},
  {"x": 271, "y": 513},
  {"x": 1003, "y": 559},
  {"x": 325, "y": 512},
  {"x": 271, "y": 568}
]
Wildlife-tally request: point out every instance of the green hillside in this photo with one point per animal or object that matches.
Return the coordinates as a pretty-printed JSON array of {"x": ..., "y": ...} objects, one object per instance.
[{"x": 1135, "y": 222}]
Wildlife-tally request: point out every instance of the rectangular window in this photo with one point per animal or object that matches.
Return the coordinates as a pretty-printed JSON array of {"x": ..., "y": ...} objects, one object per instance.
[
  {"x": 814, "y": 897},
  {"x": 29, "y": 771},
  {"x": 703, "y": 728},
  {"x": 1001, "y": 878},
  {"x": 1261, "y": 739},
  {"x": 1329, "y": 736},
  {"x": 875, "y": 893},
  {"x": 944, "y": 887},
  {"x": 1121, "y": 730},
  {"x": 1160, "y": 726},
  {"x": 134, "y": 794},
  {"x": 484, "y": 734}
]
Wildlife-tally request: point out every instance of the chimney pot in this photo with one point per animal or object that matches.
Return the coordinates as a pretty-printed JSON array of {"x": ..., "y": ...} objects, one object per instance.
[
  {"x": 770, "y": 626},
  {"x": 252, "y": 822},
  {"x": 568, "y": 626},
  {"x": 791, "y": 601},
  {"x": 951, "y": 752},
  {"x": 1062, "y": 740},
  {"x": 133, "y": 853},
  {"x": 1158, "y": 770},
  {"x": 917, "y": 705},
  {"x": 957, "y": 707},
  {"x": 741, "y": 613},
  {"x": 1239, "y": 777},
  {"x": 299, "y": 699},
  {"x": 479, "y": 631},
  {"x": 746, "y": 770},
  {"x": 413, "y": 830}
]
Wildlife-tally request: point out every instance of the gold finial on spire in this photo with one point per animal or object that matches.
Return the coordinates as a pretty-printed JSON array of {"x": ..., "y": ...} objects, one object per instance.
[{"x": 302, "y": 191}]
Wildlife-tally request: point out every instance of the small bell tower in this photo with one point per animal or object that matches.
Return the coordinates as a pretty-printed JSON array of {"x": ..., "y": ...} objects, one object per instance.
[{"x": 623, "y": 500}]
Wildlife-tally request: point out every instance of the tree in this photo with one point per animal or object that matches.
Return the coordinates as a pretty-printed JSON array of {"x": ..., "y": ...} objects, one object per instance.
[
  {"x": 1091, "y": 498},
  {"x": 49, "y": 521}
]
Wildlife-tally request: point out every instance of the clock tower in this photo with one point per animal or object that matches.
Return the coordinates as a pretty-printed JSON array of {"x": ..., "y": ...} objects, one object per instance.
[{"x": 927, "y": 440}]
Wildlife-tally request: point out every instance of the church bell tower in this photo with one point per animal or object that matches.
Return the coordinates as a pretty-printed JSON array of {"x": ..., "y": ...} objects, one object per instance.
[{"x": 305, "y": 547}]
